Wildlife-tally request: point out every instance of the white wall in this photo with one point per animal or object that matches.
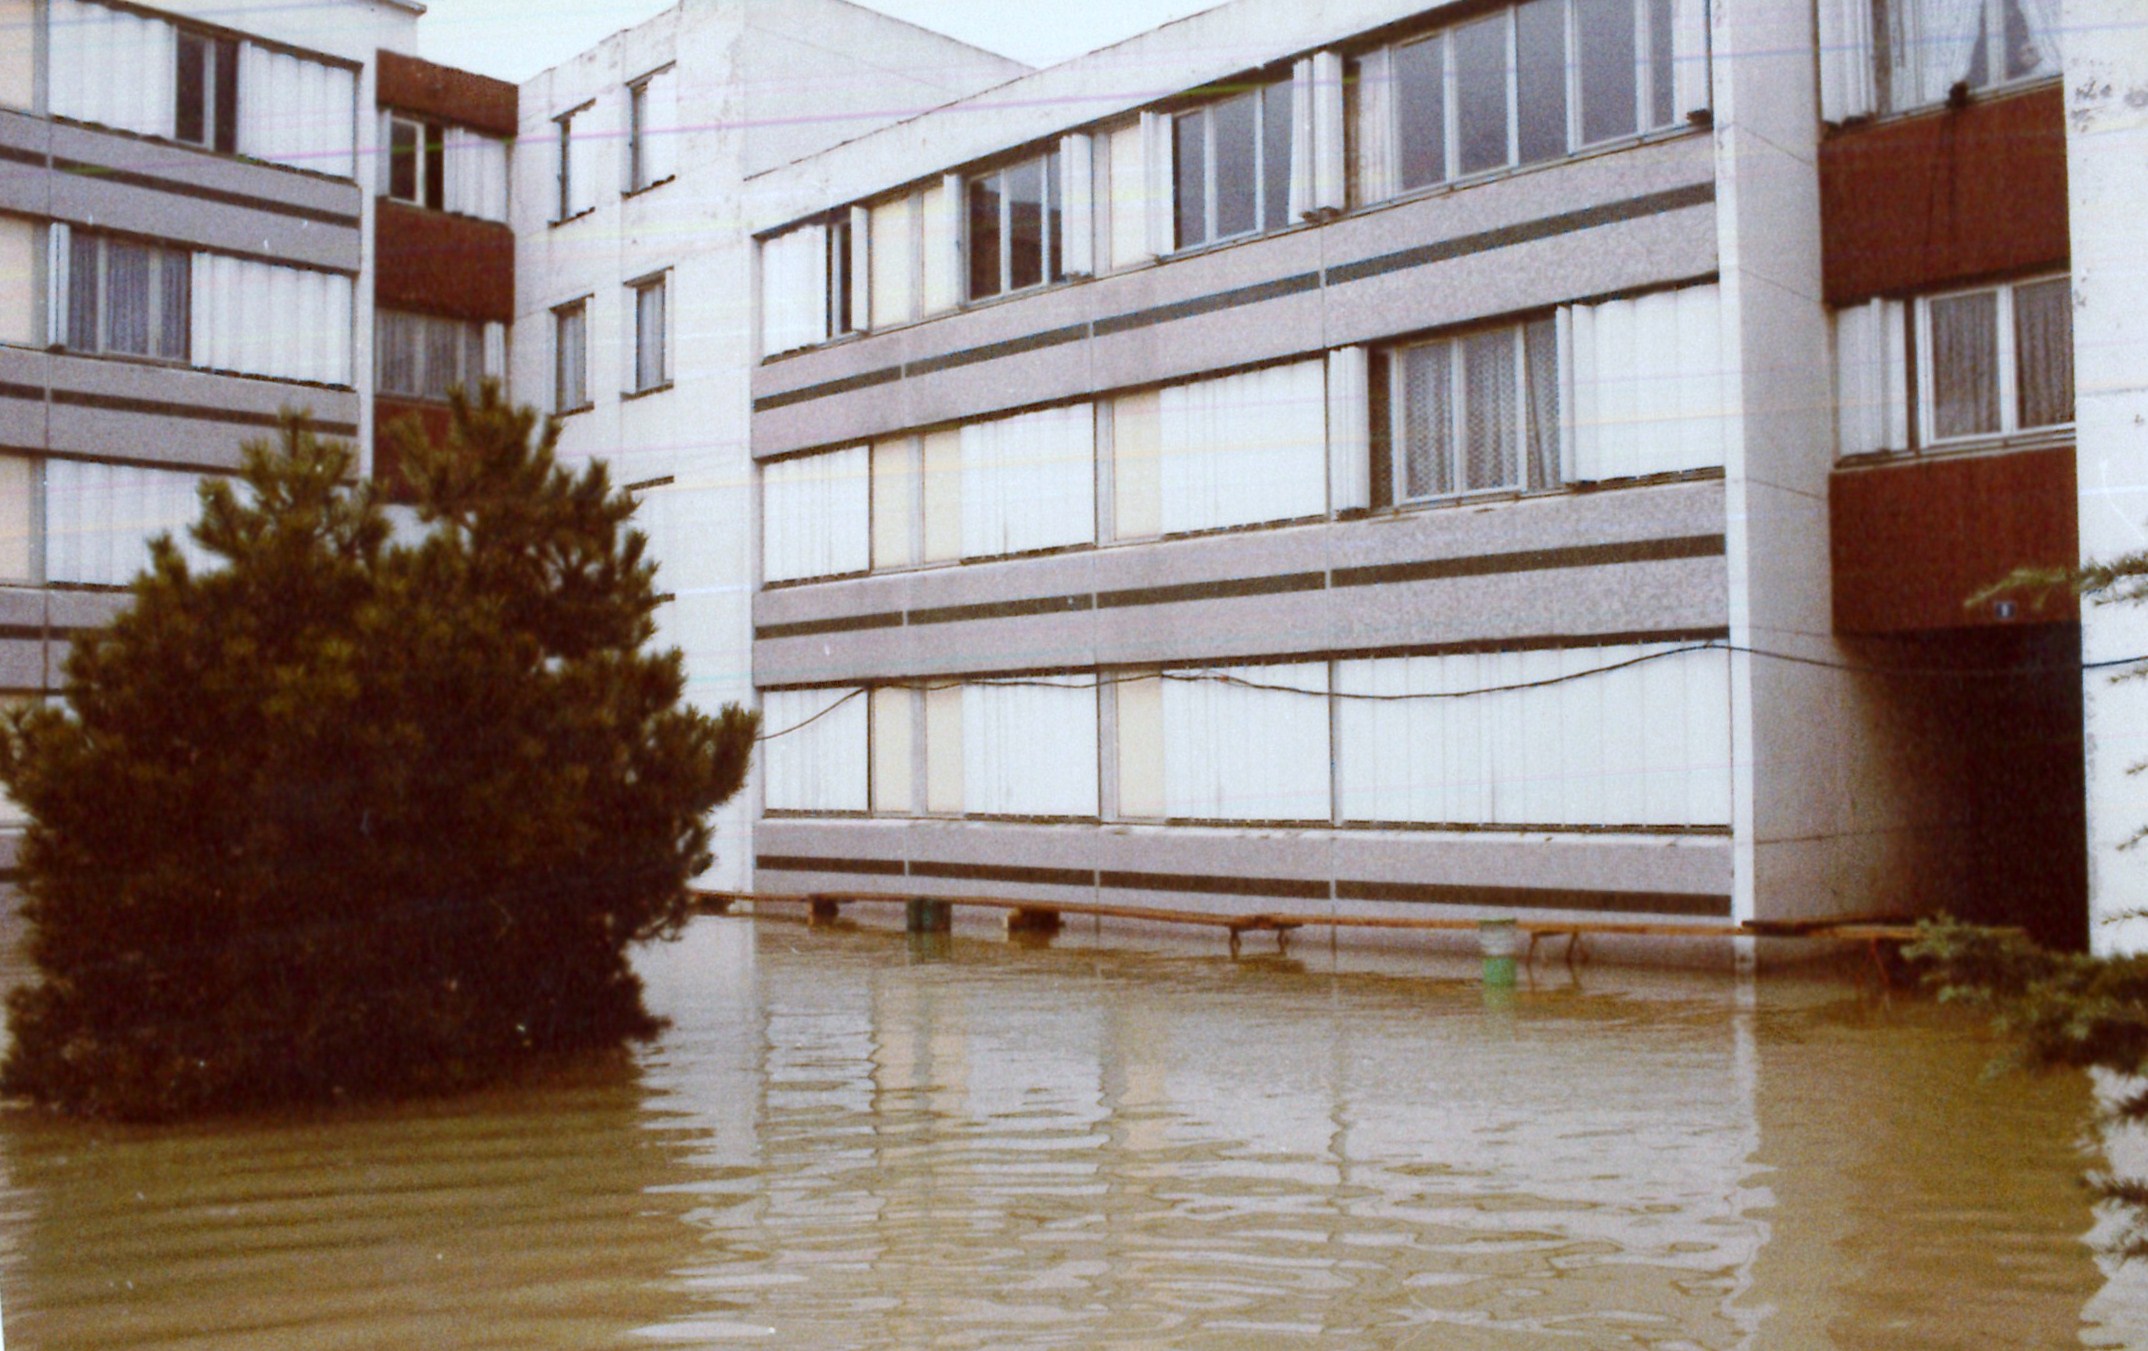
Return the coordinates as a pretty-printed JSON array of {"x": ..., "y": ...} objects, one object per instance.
[{"x": 2107, "y": 179}]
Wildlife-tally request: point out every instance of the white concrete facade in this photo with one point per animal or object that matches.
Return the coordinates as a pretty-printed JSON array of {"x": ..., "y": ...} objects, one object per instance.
[
  {"x": 912, "y": 570},
  {"x": 2107, "y": 171},
  {"x": 755, "y": 83}
]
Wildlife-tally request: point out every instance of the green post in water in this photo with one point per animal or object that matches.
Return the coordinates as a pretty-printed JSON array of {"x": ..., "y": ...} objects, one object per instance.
[
  {"x": 925, "y": 914},
  {"x": 1497, "y": 938}
]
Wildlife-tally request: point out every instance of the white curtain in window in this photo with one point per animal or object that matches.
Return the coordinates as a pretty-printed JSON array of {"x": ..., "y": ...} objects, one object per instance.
[
  {"x": 1349, "y": 428},
  {"x": 1029, "y": 482},
  {"x": 794, "y": 289},
  {"x": 99, "y": 519},
  {"x": 1945, "y": 41},
  {"x": 940, "y": 241},
  {"x": 1872, "y": 377},
  {"x": 819, "y": 767},
  {"x": 113, "y": 67},
  {"x": 1245, "y": 448},
  {"x": 660, "y": 127},
  {"x": 1847, "y": 76},
  {"x": 1158, "y": 193},
  {"x": 1373, "y": 127},
  {"x": 1029, "y": 748},
  {"x": 1645, "y": 390},
  {"x": 475, "y": 166},
  {"x": 1077, "y": 233},
  {"x": 1646, "y": 744},
  {"x": 258, "y": 318},
  {"x": 297, "y": 112},
  {"x": 816, "y": 515},
  {"x": 495, "y": 351},
  {"x": 1689, "y": 57},
  {"x": 1246, "y": 743}
]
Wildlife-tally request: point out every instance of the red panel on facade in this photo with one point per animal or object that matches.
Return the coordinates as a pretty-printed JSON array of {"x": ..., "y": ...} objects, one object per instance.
[
  {"x": 387, "y": 460},
  {"x": 1944, "y": 196},
  {"x": 1911, "y": 541},
  {"x": 434, "y": 263},
  {"x": 478, "y": 102}
]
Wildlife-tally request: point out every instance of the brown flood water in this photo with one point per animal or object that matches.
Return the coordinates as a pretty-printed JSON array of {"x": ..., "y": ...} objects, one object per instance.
[{"x": 843, "y": 1143}]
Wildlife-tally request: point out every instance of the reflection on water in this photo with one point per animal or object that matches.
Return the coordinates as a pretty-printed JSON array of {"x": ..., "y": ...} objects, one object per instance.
[{"x": 843, "y": 1141}]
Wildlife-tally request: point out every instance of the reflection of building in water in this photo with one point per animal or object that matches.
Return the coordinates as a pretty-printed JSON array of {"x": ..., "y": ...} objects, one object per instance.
[{"x": 1123, "y": 1148}]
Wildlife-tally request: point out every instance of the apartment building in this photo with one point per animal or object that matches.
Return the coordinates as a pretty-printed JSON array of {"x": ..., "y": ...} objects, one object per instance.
[
  {"x": 633, "y": 292},
  {"x": 185, "y": 208},
  {"x": 1386, "y": 458}
]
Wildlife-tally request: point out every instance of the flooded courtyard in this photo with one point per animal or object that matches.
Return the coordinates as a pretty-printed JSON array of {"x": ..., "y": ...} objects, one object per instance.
[{"x": 845, "y": 1141}]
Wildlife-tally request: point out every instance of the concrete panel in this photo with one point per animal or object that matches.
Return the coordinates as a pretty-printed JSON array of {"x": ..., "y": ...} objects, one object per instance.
[
  {"x": 84, "y": 609},
  {"x": 140, "y": 411},
  {"x": 22, "y": 664},
  {"x": 1537, "y": 274},
  {"x": 1240, "y": 872},
  {"x": 210, "y": 201},
  {"x": 22, "y": 607},
  {"x": 23, "y": 375},
  {"x": 22, "y": 317},
  {"x": 1688, "y": 865},
  {"x": 25, "y": 184}
]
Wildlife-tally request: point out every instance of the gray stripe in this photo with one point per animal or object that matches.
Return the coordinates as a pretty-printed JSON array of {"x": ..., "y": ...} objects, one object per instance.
[
  {"x": 1538, "y": 898},
  {"x": 1534, "y": 560},
  {"x": 1003, "y": 609},
  {"x": 1219, "y": 590}
]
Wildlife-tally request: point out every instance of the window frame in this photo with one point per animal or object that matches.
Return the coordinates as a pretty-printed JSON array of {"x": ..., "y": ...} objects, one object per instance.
[
  {"x": 218, "y": 84},
  {"x": 1394, "y": 404},
  {"x": 428, "y": 162},
  {"x": 470, "y": 354},
  {"x": 1910, "y": 32},
  {"x": 1261, "y": 91},
  {"x": 2005, "y": 361},
  {"x": 162, "y": 256},
  {"x": 1051, "y": 264},
  {"x": 577, "y": 310},
  {"x": 658, "y": 283},
  {"x": 565, "y": 169},
  {"x": 1647, "y": 100},
  {"x": 637, "y": 110}
]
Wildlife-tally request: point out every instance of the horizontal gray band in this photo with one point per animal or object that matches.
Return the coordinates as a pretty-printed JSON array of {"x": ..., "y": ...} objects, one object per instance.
[
  {"x": 1475, "y": 565},
  {"x": 1631, "y": 208},
  {"x": 1286, "y": 888}
]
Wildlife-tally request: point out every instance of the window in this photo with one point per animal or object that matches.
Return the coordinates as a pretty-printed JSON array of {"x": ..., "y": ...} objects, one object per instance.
[
  {"x": 1232, "y": 161},
  {"x": 1472, "y": 413},
  {"x": 206, "y": 110},
  {"x": 128, "y": 298},
  {"x": 1924, "y": 48},
  {"x": 651, "y": 370},
  {"x": 652, "y": 117},
  {"x": 1014, "y": 227},
  {"x": 1996, "y": 361},
  {"x": 576, "y": 181},
  {"x": 1527, "y": 84},
  {"x": 421, "y": 356},
  {"x": 842, "y": 316},
  {"x": 570, "y": 358},
  {"x": 417, "y": 168}
]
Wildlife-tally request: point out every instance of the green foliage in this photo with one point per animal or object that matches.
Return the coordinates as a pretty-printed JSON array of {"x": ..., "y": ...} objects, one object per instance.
[
  {"x": 346, "y": 818},
  {"x": 2060, "y": 1010}
]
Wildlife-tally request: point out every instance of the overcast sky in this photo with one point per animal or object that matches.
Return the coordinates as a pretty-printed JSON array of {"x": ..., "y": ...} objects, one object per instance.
[{"x": 514, "y": 39}]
